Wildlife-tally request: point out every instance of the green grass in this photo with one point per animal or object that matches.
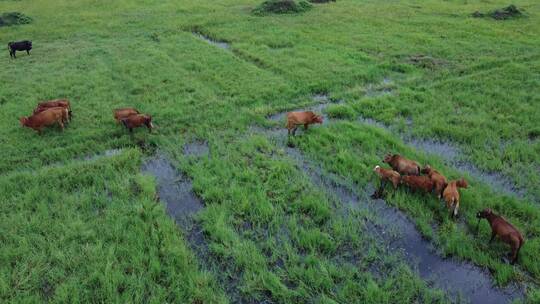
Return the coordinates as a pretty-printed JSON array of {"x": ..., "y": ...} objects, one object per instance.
[{"x": 79, "y": 231}]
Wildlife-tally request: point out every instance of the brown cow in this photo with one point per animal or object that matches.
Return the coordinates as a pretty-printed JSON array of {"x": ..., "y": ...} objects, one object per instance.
[
  {"x": 121, "y": 113},
  {"x": 294, "y": 119},
  {"x": 386, "y": 175},
  {"x": 46, "y": 118},
  {"x": 506, "y": 232},
  {"x": 402, "y": 165},
  {"x": 438, "y": 179},
  {"x": 137, "y": 120},
  {"x": 451, "y": 195},
  {"x": 414, "y": 182},
  {"x": 44, "y": 105}
]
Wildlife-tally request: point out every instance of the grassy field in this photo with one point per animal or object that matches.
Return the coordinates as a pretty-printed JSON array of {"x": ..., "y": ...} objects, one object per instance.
[{"x": 81, "y": 229}]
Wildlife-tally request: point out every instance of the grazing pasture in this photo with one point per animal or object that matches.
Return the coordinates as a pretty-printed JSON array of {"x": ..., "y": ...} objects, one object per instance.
[{"x": 92, "y": 213}]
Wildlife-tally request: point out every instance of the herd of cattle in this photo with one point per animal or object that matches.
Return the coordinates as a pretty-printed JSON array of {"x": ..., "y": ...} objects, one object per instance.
[
  {"x": 409, "y": 173},
  {"x": 58, "y": 111},
  {"x": 404, "y": 171}
]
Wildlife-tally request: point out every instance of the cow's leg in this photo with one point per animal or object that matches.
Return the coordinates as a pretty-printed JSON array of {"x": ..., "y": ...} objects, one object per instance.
[
  {"x": 493, "y": 234},
  {"x": 131, "y": 130},
  {"x": 306, "y": 126},
  {"x": 456, "y": 208},
  {"x": 61, "y": 125},
  {"x": 14, "y": 54},
  {"x": 28, "y": 52},
  {"x": 294, "y": 131}
]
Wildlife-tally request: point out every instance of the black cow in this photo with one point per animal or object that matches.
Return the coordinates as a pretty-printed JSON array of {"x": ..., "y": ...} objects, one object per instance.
[{"x": 13, "y": 47}]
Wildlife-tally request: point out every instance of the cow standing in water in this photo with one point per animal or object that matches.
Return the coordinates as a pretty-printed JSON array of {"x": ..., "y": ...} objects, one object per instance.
[{"x": 294, "y": 119}]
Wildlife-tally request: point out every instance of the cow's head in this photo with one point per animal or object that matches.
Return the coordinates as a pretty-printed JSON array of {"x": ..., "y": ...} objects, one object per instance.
[
  {"x": 462, "y": 183},
  {"x": 484, "y": 213},
  {"x": 29, "y": 44},
  {"x": 317, "y": 119},
  {"x": 426, "y": 170},
  {"x": 388, "y": 158},
  {"x": 23, "y": 120},
  {"x": 377, "y": 168},
  {"x": 148, "y": 121}
]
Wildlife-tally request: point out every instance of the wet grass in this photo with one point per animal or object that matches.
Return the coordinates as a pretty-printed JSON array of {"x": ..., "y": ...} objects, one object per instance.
[{"x": 87, "y": 230}]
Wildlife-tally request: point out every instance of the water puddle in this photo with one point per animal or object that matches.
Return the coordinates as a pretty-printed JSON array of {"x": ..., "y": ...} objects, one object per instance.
[
  {"x": 174, "y": 189},
  {"x": 220, "y": 44},
  {"x": 458, "y": 279},
  {"x": 196, "y": 148}
]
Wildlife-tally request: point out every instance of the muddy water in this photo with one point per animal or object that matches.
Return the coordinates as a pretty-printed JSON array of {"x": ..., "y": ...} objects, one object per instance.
[
  {"x": 459, "y": 279},
  {"x": 174, "y": 189},
  {"x": 220, "y": 44}
]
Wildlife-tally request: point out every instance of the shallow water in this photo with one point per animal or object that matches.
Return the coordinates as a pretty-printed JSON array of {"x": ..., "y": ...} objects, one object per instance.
[
  {"x": 220, "y": 44},
  {"x": 174, "y": 189},
  {"x": 196, "y": 148},
  {"x": 458, "y": 279},
  {"x": 176, "y": 192}
]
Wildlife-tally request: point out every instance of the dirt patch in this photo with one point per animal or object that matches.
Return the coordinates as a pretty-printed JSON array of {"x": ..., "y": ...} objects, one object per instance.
[
  {"x": 505, "y": 13},
  {"x": 281, "y": 7},
  {"x": 399, "y": 234},
  {"x": 426, "y": 62},
  {"x": 14, "y": 18},
  {"x": 321, "y": 1}
]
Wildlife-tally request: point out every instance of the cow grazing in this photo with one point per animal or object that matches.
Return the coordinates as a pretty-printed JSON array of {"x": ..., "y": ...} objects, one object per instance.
[
  {"x": 46, "y": 118},
  {"x": 402, "y": 165},
  {"x": 506, "y": 232},
  {"x": 122, "y": 113},
  {"x": 44, "y": 105},
  {"x": 438, "y": 179},
  {"x": 451, "y": 195},
  {"x": 138, "y": 120},
  {"x": 24, "y": 45},
  {"x": 294, "y": 119},
  {"x": 414, "y": 182},
  {"x": 386, "y": 175}
]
